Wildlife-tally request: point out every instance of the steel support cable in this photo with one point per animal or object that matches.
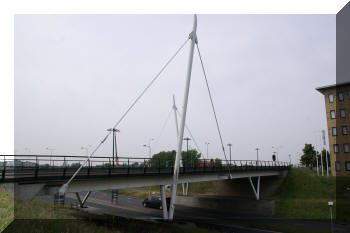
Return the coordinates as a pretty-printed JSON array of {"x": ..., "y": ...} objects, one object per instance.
[
  {"x": 162, "y": 130},
  {"x": 212, "y": 105},
  {"x": 188, "y": 130},
  {"x": 65, "y": 186}
]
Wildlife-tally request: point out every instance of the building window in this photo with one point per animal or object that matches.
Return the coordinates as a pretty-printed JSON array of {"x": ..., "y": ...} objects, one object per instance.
[
  {"x": 334, "y": 131},
  {"x": 347, "y": 166},
  {"x": 331, "y": 98},
  {"x": 337, "y": 166},
  {"x": 336, "y": 148},
  {"x": 332, "y": 114},
  {"x": 340, "y": 96},
  {"x": 346, "y": 148},
  {"x": 344, "y": 130},
  {"x": 342, "y": 113}
]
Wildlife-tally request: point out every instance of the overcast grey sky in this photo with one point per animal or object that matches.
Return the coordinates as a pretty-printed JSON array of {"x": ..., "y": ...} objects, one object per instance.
[{"x": 75, "y": 75}]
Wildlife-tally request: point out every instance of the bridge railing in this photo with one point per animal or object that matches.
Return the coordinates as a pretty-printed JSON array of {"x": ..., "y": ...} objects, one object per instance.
[{"x": 14, "y": 167}]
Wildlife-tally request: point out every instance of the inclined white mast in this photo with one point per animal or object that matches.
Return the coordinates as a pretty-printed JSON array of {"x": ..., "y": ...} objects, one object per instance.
[{"x": 193, "y": 37}]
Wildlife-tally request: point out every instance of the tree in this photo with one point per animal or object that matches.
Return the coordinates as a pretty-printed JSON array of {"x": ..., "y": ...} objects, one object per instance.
[
  {"x": 309, "y": 156},
  {"x": 163, "y": 159},
  {"x": 190, "y": 158},
  {"x": 324, "y": 151},
  {"x": 218, "y": 162},
  {"x": 75, "y": 165},
  {"x": 167, "y": 158}
]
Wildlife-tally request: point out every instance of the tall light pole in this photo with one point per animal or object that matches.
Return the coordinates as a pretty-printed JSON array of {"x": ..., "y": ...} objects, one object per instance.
[
  {"x": 114, "y": 150},
  {"x": 323, "y": 149},
  {"x": 298, "y": 156},
  {"x": 207, "y": 143},
  {"x": 229, "y": 146},
  {"x": 27, "y": 149},
  {"x": 149, "y": 147},
  {"x": 50, "y": 149},
  {"x": 86, "y": 148},
  {"x": 257, "y": 155},
  {"x": 290, "y": 159},
  {"x": 321, "y": 156},
  {"x": 321, "y": 163},
  {"x": 317, "y": 164},
  {"x": 187, "y": 139}
]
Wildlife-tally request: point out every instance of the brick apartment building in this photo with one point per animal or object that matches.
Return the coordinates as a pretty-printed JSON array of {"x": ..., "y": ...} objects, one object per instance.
[{"x": 337, "y": 100}]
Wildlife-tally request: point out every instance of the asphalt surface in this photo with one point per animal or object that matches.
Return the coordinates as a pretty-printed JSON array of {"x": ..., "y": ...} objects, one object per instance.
[{"x": 101, "y": 203}]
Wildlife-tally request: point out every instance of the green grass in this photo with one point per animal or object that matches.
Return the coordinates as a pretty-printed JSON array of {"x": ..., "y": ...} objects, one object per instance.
[
  {"x": 284, "y": 228},
  {"x": 207, "y": 187},
  {"x": 343, "y": 201},
  {"x": 305, "y": 195},
  {"x": 136, "y": 193},
  {"x": 67, "y": 220},
  {"x": 194, "y": 189},
  {"x": 6, "y": 209},
  {"x": 11, "y": 209}
]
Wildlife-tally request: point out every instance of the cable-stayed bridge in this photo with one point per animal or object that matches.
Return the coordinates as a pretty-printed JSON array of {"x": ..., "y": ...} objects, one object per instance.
[
  {"x": 33, "y": 175},
  {"x": 44, "y": 174}
]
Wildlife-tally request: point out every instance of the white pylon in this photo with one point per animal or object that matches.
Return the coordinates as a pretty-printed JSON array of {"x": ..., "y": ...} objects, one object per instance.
[{"x": 193, "y": 38}]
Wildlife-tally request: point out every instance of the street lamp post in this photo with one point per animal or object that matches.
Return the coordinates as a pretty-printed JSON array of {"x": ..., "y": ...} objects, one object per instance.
[
  {"x": 27, "y": 149},
  {"x": 149, "y": 147},
  {"x": 257, "y": 155},
  {"x": 324, "y": 145},
  {"x": 114, "y": 149},
  {"x": 290, "y": 159},
  {"x": 86, "y": 148},
  {"x": 317, "y": 164},
  {"x": 50, "y": 149},
  {"x": 230, "y": 145},
  {"x": 187, "y": 139},
  {"x": 207, "y": 143}
]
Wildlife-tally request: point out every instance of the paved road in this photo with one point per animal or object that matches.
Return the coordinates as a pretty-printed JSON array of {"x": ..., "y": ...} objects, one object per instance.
[{"x": 100, "y": 203}]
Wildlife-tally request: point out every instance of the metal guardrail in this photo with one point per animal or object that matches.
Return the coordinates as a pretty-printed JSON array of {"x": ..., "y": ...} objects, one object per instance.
[{"x": 47, "y": 167}]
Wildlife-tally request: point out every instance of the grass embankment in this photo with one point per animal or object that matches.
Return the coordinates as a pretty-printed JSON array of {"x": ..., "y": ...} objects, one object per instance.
[
  {"x": 45, "y": 217},
  {"x": 194, "y": 189},
  {"x": 141, "y": 192},
  {"x": 11, "y": 209},
  {"x": 284, "y": 228},
  {"x": 305, "y": 195},
  {"x": 6, "y": 209}
]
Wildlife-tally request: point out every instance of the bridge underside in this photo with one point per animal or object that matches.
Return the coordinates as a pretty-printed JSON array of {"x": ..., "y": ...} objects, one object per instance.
[
  {"x": 142, "y": 181},
  {"x": 123, "y": 182}
]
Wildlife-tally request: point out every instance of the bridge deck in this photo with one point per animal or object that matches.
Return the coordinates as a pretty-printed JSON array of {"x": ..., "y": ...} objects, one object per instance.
[
  {"x": 43, "y": 168},
  {"x": 58, "y": 174}
]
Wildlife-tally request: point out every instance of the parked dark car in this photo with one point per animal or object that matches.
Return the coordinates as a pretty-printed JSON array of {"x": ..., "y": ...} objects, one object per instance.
[{"x": 155, "y": 202}]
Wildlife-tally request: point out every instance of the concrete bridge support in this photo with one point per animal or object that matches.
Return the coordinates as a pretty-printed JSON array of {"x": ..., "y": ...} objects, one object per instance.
[
  {"x": 257, "y": 189},
  {"x": 185, "y": 189},
  {"x": 82, "y": 202},
  {"x": 164, "y": 204}
]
